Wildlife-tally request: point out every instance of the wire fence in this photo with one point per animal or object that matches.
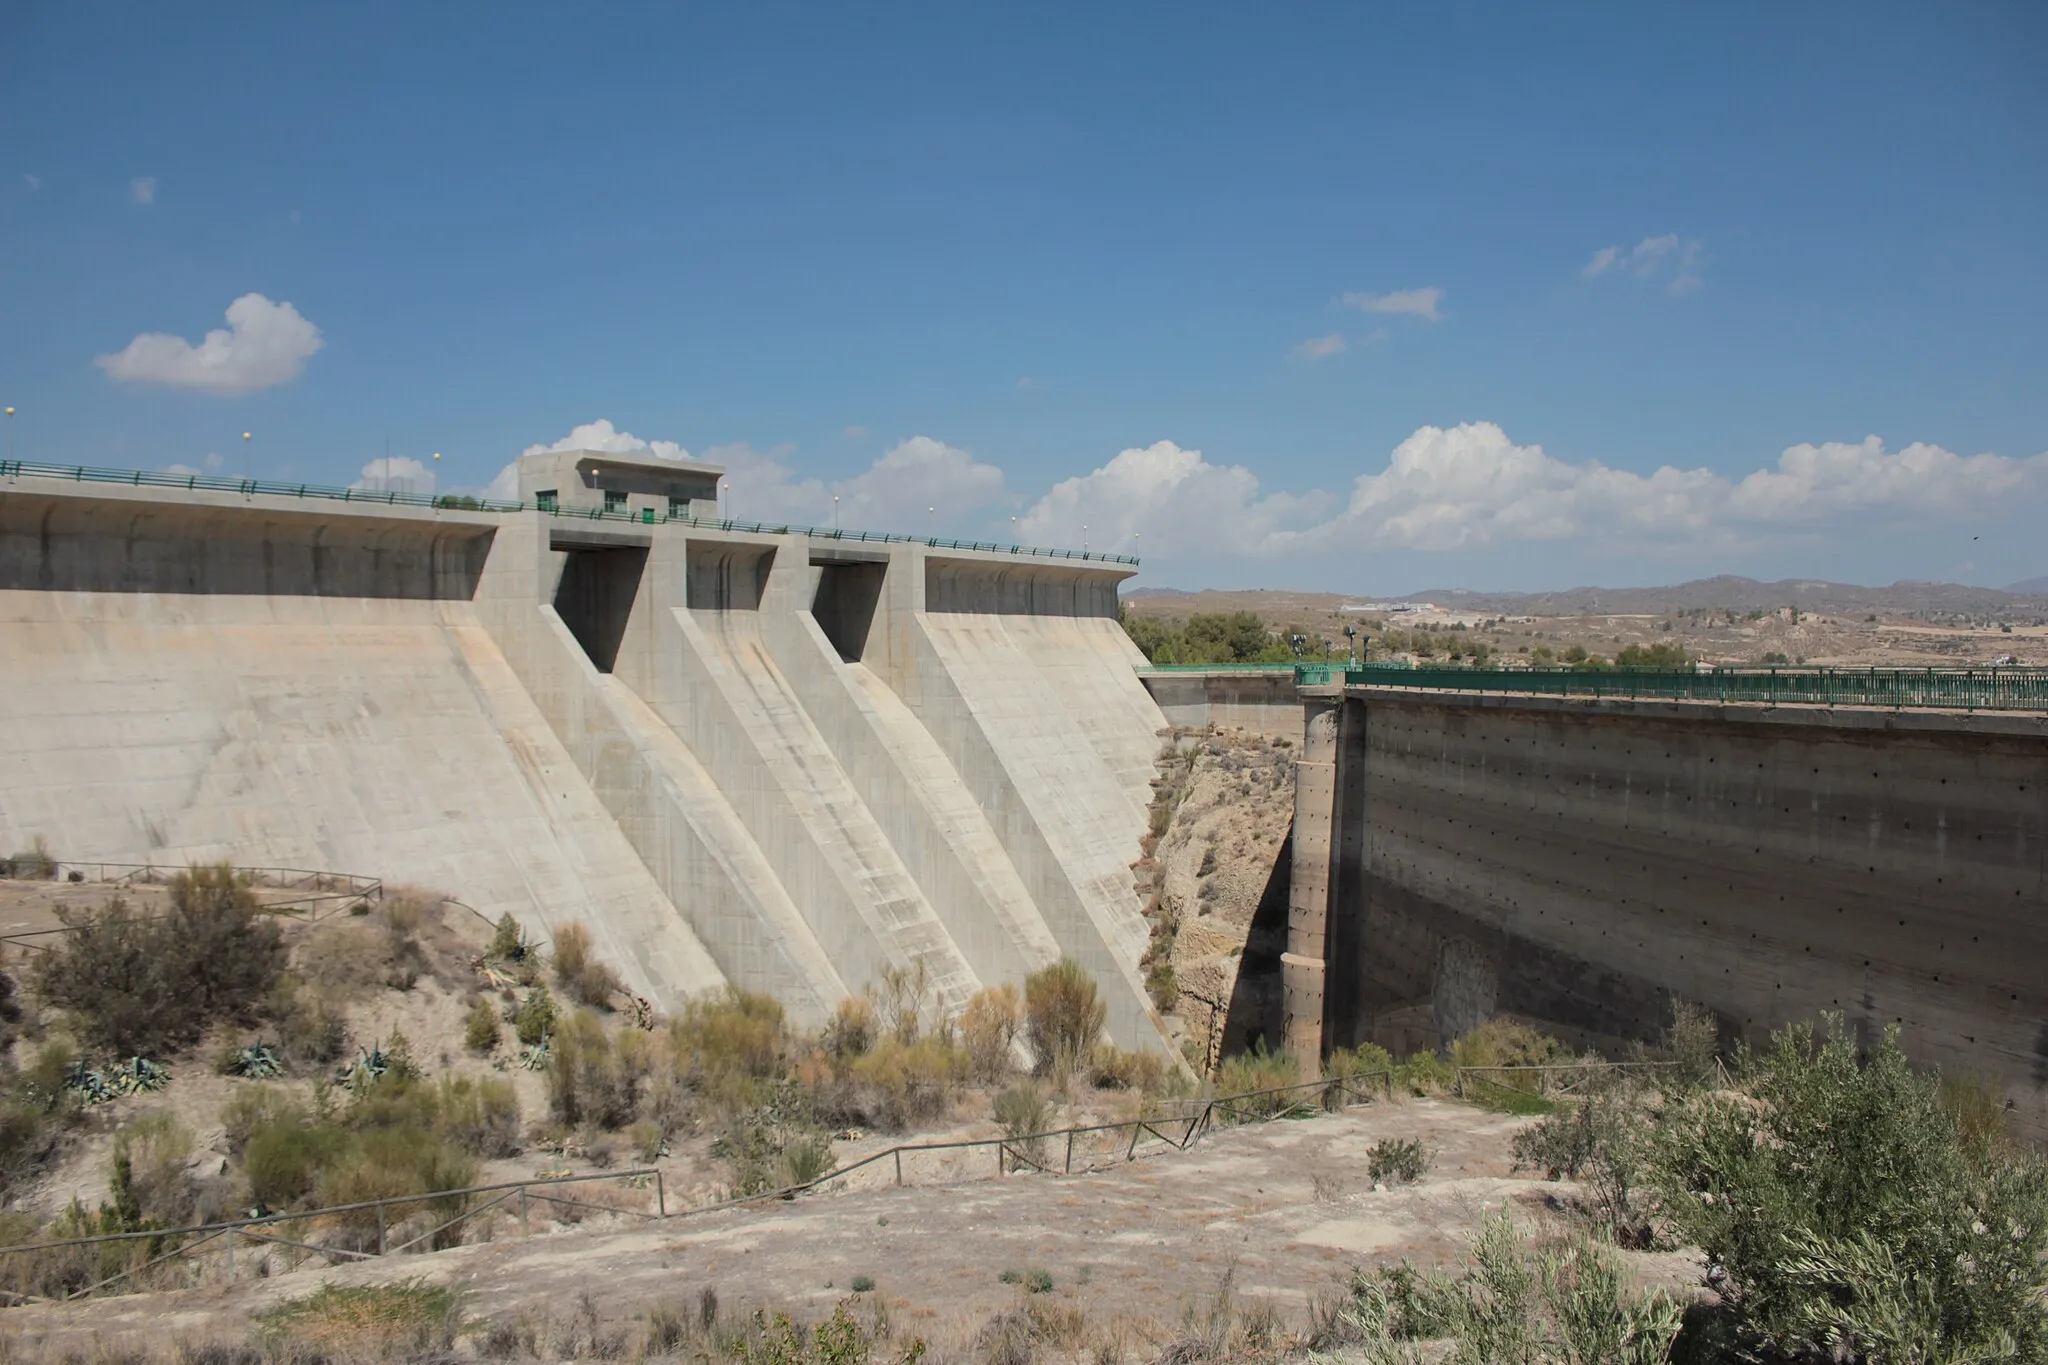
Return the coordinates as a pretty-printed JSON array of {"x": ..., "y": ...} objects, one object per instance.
[
  {"x": 647, "y": 516},
  {"x": 318, "y": 894},
  {"x": 2014, "y": 688},
  {"x": 264, "y": 1245}
]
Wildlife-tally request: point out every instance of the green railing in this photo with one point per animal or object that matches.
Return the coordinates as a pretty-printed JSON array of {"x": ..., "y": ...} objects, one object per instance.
[
  {"x": 144, "y": 478},
  {"x": 1956, "y": 689}
]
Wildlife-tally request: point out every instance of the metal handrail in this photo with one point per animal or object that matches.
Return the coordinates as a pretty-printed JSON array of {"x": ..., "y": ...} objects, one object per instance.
[
  {"x": 2004, "y": 688},
  {"x": 1010, "y": 1155},
  {"x": 352, "y": 889},
  {"x": 144, "y": 478}
]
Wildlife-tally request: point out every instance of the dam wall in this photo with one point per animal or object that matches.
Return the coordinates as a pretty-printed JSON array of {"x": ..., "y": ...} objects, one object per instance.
[
  {"x": 1265, "y": 704},
  {"x": 1580, "y": 863},
  {"x": 737, "y": 756}
]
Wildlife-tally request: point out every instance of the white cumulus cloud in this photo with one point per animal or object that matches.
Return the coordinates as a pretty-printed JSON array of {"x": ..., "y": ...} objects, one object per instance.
[
  {"x": 263, "y": 345},
  {"x": 916, "y": 485},
  {"x": 395, "y": 474},
  {"x": 921, "y": 485},
  {"x": 602, "y": 436},
  {"x": 1673, "y": 259},
  {"x": 1421, "y": 303},
  {"x": 142, "y": 189},
  {"x": 1472, "y": 487},
  {"x": 1318, "y": 348},
  {"x": 1163, "y": 498}
]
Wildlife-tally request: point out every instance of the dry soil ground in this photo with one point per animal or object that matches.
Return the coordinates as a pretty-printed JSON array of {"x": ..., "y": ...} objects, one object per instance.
[{"x": 1285, "y": 1209}]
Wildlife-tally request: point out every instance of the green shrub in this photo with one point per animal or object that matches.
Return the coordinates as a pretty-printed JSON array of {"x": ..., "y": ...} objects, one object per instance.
[
  {"x": 1162, "y": 984},
  {"x": 1023, "y": 1113},
  {"x": 852, "y": 1031},
  {"x": 737, "y": 1034},
  {"x": 1424, "y": 1073},
  {"x": 508, "y": 940},
  {"x": 480, "y": 1030},
  {"x": 535, "y": 1020},
  {"x": 582, "y": 977},
  {"x": 33, "y": 864},
  {"x": 1260, "y": 1070},
  {"x": 1508, "y": 1042},
  {"x": 988, "y": 1029},
  {"x": 311, "y": 1030},
  {"x": 807, "y": 1158},
  {"x": 1603, "y": 1141},
  {"x": 1396, "y": 1161},
  {"x": 283, "y": 1160},
  {"x": 1361, "y": 1070},
  {"x": 408, "y": 1320},
  {"x": 896, "y": 1086},
  {"x": 1568, "y": 1305},
  {"x": 863, "y": 1284},
  {"x": 1064, "y": 1016},
  {"x": 1849, "y": 1211},
  {"x": 589, "y": 1081},
  {"x": 480, "y": 1115},
  {"x": 145, "y": 986},
  {"x": 1141, "y": 1072}
]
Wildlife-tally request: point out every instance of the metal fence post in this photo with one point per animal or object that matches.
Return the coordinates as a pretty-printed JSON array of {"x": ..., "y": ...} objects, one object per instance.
[
  {"x": 899, "y": 1168},
  {"x": 380, "y": 1229},
  {"x": 660, "y": 1197},
  {"x": 1070, "y": 1151},
  {"x": 231, "y": 1255},
  {"x": 522, "y": 1211}
]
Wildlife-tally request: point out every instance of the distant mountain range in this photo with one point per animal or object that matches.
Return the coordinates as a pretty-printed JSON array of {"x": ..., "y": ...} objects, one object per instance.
[{"x": 1734, "y": 593}]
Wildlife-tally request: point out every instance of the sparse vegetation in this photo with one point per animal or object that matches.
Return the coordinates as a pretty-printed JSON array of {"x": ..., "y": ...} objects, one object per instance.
[
  {"x": 582, "y": 977},
  {"x": 1064, "y": 1015},
  {"x": 142, "y": 986},
  {"x": 480, "y": 1030},
  {"x": 989, "y": 1028},
  {"x": 33, "y": 863},
  {"x": 1851, "y": 1213},
  {"x": 1568, "y": 1304},
  {"x": 1396, "y": 1161},
  {"x": 410, "y": 1318},
  {"x": 1024, "y": 1112}
]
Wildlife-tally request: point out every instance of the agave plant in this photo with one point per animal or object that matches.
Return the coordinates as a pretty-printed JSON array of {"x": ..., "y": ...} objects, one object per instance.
[{"x": 257, "y": 1062}]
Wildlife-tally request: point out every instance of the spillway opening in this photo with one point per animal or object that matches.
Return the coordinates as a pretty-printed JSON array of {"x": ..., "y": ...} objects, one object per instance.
[
  {"x": 595, "y": 598},
  {"x": 726, "y": 577},
  {"x": 845, "y": 605}
]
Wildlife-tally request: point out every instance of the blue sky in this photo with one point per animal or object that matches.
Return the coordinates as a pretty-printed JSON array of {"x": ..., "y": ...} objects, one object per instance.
[{"x": 1079, "y": 267}]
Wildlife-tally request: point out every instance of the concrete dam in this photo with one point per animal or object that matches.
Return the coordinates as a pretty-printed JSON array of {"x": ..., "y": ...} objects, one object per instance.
[
  {"x": 779, "y": 759},
  {"x": 1579, "y": 862}
]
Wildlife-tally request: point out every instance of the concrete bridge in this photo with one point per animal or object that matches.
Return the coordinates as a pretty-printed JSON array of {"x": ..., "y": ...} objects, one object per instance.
[{"x": 1467, "y": 845}]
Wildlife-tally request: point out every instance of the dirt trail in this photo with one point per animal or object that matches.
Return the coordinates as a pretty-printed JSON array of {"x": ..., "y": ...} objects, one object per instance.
[{"x": 1286, "y": 1207}]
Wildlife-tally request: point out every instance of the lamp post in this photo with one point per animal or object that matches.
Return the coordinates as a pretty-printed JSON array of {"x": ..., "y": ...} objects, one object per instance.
[
  {"x": 1351, "y": 642},
  {"x": 835, "y": 513},
  {"x": 10, "y": 433},
  {"x": 248, "y": 466}
]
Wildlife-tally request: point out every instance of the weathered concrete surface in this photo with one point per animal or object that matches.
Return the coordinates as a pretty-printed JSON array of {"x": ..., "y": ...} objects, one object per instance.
[
  {"x": 737, "y": 757},
  {"x": 1263, "y": 704},
  {"x": 277, "y": 690},
  {"x": 1582, "y": 862}
]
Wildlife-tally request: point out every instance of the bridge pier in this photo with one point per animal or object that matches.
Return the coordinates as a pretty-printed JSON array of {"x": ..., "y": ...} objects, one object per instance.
[{"x": 1302, "y": 970}]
